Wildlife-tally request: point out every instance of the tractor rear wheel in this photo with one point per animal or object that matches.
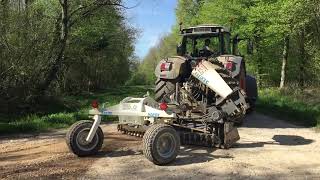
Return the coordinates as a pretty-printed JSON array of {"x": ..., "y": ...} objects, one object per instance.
[
  {"x": 252, "y": 92},
  {"x": 164, "y": 88},
  {"x": 161, "y": 144},
  {"x": 76, "y": 139}
]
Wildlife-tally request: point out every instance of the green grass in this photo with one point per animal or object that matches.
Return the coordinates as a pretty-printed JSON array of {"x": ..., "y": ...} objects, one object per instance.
[
  {"x": 302, "y": 108},
  {"x": 296, "y": 106},
  {"x": 65, "y": 111}
]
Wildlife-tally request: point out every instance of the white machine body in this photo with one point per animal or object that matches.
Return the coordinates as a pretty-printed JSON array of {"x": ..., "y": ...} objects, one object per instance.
[
  {"x": 130, "y": 111},
  {"x": 206, "y": 73},
  {"x": 134, "y": 110}
]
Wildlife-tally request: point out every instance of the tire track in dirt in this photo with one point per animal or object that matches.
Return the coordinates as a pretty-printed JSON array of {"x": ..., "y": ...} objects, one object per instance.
[
  {"x": 35, "y": 157},
  {"x": 268, "y": 149}
]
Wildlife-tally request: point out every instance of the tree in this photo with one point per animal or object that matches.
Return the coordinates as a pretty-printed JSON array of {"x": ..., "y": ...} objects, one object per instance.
[
  {"x": 284, "y": 61},
  {"x": 52, "y": 47},
  {"x": 64, "y": 21}
]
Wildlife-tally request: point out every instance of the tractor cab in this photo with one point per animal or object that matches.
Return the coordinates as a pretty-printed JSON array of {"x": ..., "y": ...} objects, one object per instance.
[{"x": 205, "y": 41}]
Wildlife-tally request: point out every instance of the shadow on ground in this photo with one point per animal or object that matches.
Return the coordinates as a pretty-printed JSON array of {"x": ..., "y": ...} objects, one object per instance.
[
  {"x": 197, "y": 154},
  {"x": 286, "y": 140}
]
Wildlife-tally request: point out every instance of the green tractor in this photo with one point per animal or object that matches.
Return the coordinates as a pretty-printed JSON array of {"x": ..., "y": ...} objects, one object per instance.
[{"x": 204, "y": 42}]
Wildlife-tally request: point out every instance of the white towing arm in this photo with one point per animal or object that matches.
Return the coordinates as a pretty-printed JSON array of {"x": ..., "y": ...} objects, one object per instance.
[{"x": 134, "y": 109}]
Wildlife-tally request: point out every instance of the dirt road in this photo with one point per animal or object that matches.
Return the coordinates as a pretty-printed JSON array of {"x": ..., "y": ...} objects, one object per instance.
[{"x": 268, "y": 149}]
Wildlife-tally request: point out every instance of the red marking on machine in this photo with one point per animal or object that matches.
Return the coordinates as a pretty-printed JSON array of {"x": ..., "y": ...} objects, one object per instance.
[
  {"x": 163, "y": 106},
  {"x": 95, "y": 104},
  {"x": 165, "y": 66},
  {"x": 229, "y": 65}
]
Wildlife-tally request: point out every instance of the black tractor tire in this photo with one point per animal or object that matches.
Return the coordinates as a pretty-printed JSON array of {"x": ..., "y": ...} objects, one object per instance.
[
  {"x": 252, "y": 92},
  {"x": 242, "y": 84},
  {"x": 161, "y": 144},
  {"x": 242, "y": 77},
  {"x": 164, "y": 88},
  {"x": 76, "y": 139}
]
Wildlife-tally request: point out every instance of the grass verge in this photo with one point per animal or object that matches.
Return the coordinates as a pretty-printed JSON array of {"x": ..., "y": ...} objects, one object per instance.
[
  {"x": 301, "y": 108},
  {"x": 75, "y": 108},
  {"x": 296, "y": 106}
]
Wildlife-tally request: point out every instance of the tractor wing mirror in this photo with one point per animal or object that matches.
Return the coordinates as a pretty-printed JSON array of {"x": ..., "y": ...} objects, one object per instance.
[
  {"x": 235, "y": 41},
  {"x": 179, "y": 50}
]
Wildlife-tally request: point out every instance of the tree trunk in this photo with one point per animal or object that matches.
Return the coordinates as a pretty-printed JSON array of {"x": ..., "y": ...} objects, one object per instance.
[
  {"x": 259, "y": 70},
  {"x": 259, "y": 60},
  {"x": 302, "y": 52},
  {"x": 59, "y": 46},
  {"x": 317, "y": 19},
  {"x": 284, "y": 61},
  {"x": 4, "y": 5},
  {"x": 4, "y": 16}
]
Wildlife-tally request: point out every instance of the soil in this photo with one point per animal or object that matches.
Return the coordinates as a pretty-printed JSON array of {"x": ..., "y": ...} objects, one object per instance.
[{"x": 268, "y": 149}]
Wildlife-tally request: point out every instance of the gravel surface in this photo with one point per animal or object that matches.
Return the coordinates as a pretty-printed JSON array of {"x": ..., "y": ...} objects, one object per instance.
[{"x": 268, "y": 149}]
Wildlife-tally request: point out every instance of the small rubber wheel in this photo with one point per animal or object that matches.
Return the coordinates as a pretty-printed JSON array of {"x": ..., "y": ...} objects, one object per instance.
[
  {"x": 76, "y": 139},
  {"x": 161, "y": 144}
]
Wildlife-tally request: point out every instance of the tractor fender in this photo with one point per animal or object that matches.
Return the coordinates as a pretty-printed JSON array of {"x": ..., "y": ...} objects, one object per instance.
[
  {"x": 175, "y": 66},
  {"x": 237, "y": 60}
]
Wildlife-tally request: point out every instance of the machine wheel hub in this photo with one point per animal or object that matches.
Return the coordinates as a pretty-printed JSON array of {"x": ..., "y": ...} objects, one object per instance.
[
  {"x": 83, "y": 143},
  {"x": 166, "y": 145}
]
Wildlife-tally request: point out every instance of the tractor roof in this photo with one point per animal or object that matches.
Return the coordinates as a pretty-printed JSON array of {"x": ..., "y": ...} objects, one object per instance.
[{"x": 204, "y": 29}]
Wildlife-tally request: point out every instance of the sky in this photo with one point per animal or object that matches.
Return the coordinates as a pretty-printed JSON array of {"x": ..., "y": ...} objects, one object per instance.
[{"x": 153, "y": 18}]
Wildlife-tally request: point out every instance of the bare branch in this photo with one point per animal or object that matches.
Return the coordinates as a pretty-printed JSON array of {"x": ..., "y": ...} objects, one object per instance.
[
  {"x": 5, "y": 71},
  {"x": 77, "y": 10},
  {"x": 5, "y": 42},
  {"x": 134, "y": 6},
  {"x": 86, "y": 11}
]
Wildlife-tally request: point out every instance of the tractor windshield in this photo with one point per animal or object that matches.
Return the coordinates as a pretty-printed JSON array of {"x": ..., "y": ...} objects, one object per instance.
[{"x": 205, "y": 45}]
